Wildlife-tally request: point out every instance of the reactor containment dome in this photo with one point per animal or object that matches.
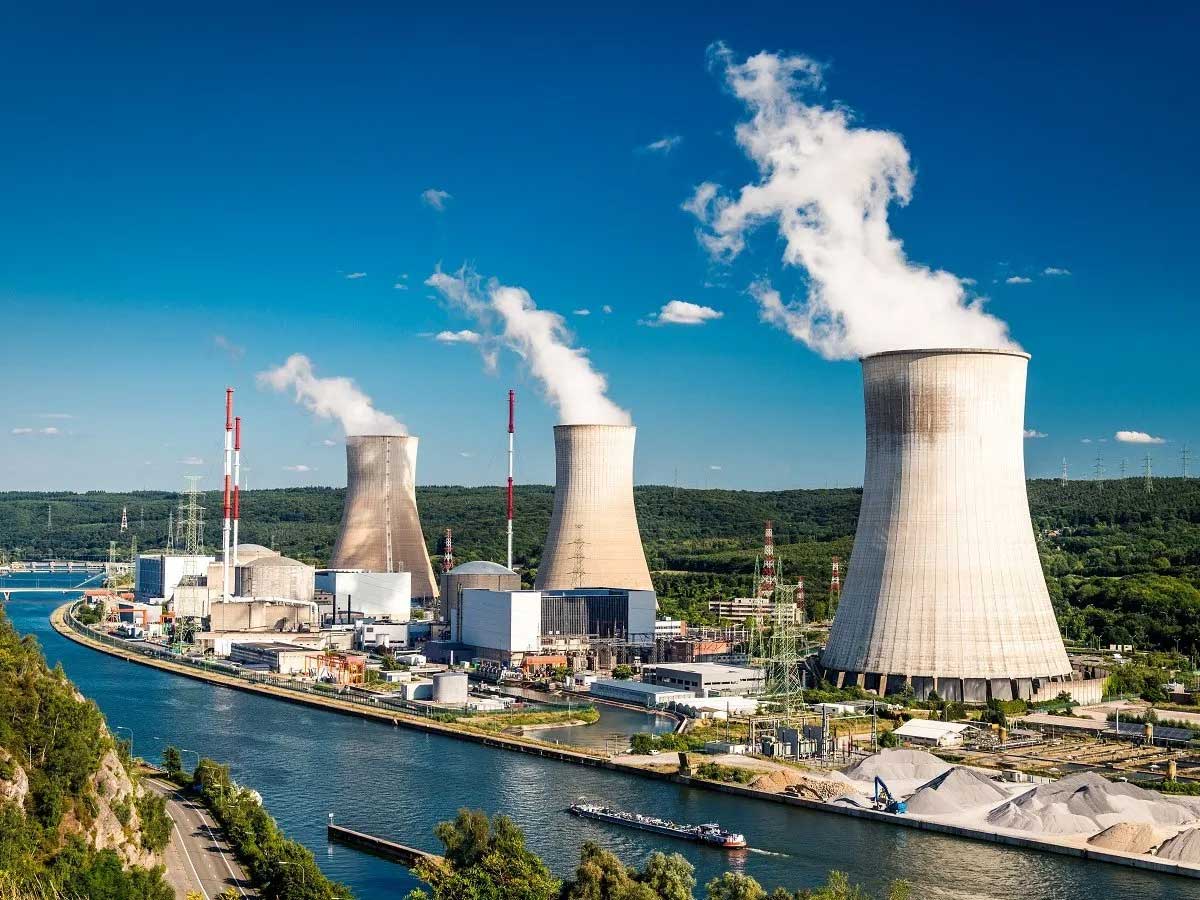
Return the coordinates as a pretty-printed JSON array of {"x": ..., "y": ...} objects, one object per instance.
[
  {"x": 593, "y": 539},
  {"x": 945, "y": 589},
  {"x": 381, "y": 530}
]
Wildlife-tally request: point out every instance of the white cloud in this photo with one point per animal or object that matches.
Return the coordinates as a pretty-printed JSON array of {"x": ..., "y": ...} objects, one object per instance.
[
  {"x": 827, "y": 184},
  {"x": 49, "y": 431},
  {"x": 22, "y": 431},
  {"x": 683, "y": 312},
  {"x": 466, "y": 336},
  {"x": 663, "y": 145},
  {"x": 356, "y": 275},
  {"x": 435, "y": 198},
  {"x": 55, "y": 416},
  {"x": 1055, "y": 270},
  {"x": 225, "y": 345},
  {"x": 299, "y": 467},
  {"x": 1138, "y": 437},
  {"x": 969, "y": 282},
  {"x": 400, "y": 286},
  {"x": 1034, "y": 433},
  {"x": 509, "y": 317},
  {"x": 715, "y": 468},
  {"x": 581, "y": 312},
  {"x": 465, "y": 454},
  {"x": 329, "y": 443},
  {"x": 330, "y": 398},
  {"x": 191, "y": 461},
  {"x": 606, "y": 309},
  {"x": 1085, "y": 440},
  {"x": 1017, "y": 279}
]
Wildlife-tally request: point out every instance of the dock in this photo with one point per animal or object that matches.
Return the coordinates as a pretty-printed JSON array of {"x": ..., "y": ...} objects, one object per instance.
[{"x": 383, "y": 847}]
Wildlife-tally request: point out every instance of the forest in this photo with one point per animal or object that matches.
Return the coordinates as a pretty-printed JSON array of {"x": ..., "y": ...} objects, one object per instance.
[{"x": 1122, "y": 562}]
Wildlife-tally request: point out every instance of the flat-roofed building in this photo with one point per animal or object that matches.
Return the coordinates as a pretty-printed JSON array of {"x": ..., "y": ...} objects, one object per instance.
[
  {"x": 711, "y": 679},
  {"x": 284, "y": 658},
  {"x": 637, "y": 692}
]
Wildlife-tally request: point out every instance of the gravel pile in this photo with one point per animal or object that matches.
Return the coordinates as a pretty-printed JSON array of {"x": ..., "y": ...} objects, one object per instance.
[
  {"x": 1085, "y": 804},
  {"x": 1127, "y": 837},
  {"x": 898, "y": 765},
  {"x": 1184, "y": 847},
  {"x": 955, "y": 791}
]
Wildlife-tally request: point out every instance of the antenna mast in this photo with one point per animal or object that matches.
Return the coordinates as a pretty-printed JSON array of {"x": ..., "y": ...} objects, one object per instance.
[
  {"x": 767, "y": 581},
  {"x": 448, "y": 552},
  {"x": 512, "y": 403}
]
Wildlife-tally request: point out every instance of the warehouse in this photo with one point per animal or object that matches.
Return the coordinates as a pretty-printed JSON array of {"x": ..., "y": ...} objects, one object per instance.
[
  {"x": 380, "y": 595},
  {"x": 637, "y": 693},
  {"x": 711, "y": 679},
  {"x": 927, "y": 733},
  {"x": 156, "y": 575},
  {"x": 286, "y": 659}
]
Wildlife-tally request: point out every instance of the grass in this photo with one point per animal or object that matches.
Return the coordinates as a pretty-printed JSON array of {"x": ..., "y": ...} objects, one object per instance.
[{"x": 496, "y": 722}]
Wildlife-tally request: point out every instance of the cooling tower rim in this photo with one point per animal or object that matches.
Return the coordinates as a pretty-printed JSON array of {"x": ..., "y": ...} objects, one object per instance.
[
  {"x": 566, "y": 425},
  {"x": 946, "y": 351},
  {"x": 351, "y": 438}
]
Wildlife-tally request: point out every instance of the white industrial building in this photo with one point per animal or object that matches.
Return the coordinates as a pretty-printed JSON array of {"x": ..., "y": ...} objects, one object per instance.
[
  {"x": 247, "y": 614},
  {"x": 637, "y": 693},
  {"x": 710, "y": 679},
  {"x": 928, "y": 733},
  {"x": 245, "y": 553},
  {"x": 156, "y": 575},
  {"x": 379, "y": 595},
  {"x": 506, "y": 625},
  {"x": 370, "y": 634},
  {"x": 945, "y": 590},
  {"x": 274, "y": 576}
]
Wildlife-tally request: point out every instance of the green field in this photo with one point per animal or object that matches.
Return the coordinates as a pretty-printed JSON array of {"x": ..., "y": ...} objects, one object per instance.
[{"x": 1123, "y": 565}]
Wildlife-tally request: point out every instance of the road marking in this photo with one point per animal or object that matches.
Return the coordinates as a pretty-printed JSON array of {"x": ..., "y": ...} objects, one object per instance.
[{"x": 188, "y": 856}]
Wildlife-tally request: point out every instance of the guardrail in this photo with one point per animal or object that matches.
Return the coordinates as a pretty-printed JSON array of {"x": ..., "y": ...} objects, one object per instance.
[{"x": 343, "y": 693}]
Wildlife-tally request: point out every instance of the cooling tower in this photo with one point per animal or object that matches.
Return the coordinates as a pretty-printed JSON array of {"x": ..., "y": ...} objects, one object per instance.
[
  {"x": 593, "y": 539},
  {"x": 381, "y": 531},
  {"x": 945, "y": 590}
]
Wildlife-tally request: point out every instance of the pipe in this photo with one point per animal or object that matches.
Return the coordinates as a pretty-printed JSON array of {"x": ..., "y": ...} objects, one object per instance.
[
  {"x": 512, "y": 397},
  {"x": 225, "y": 509}
]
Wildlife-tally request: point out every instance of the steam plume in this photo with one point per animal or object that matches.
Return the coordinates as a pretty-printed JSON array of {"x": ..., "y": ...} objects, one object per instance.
[
  {"x": 509, "y": 317},
  {"x": 330, "y": 398},
  {"x": 827, "y": 185}
]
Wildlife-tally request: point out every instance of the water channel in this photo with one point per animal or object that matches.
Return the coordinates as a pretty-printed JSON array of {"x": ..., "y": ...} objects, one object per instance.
[{"x": 307, "y": 762}]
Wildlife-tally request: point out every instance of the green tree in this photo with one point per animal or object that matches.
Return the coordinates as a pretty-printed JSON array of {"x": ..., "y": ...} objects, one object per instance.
[
  {"x": 622, "y": 672},
  {"x": 173, "y": 762},
  {"x": 735, "y": 886},
  {"x": 671, "y": 877}
]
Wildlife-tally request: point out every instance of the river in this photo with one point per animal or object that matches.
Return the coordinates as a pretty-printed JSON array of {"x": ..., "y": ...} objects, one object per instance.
[{"x": 308, "y": 762}]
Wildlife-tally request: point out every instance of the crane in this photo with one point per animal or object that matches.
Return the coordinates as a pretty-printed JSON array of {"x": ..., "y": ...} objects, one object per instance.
[{"x": 885, "y": 800}]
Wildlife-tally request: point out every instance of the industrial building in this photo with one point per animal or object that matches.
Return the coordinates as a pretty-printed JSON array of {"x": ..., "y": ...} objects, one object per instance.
[
  {"x": 945, "y": 589},
  {"x": 250, "y": 614},
  {"x": 276, "y": 577},
  {"x": 281, "y": 657},
  {"x": 370, "y": 634},
  {"x": 710, "y": 679},
  {"x": 637, "y": 693},
  {"x": 928, "y": 733},
  {"x": 476, "y": 574},
  {"x": 508, "y": 625},
  {"x": 593, "y": 539},
  {"x": 379, "y": 595},
  {"x": 742, "y": 609},
  {"x": 156, "y": 575},
  {"x": 245, "y": 553},
  {"x": 450, "y": 688},
  {"x": 381, "y": 529}
]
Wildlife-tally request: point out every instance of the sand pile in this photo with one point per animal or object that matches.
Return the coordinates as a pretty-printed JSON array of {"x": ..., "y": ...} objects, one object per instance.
[
  {"x": 955, "y": 791},
  {"x": 1184, "y": 847},
  {"x": 802, "y": 785},
  {"x": 898, "y": 765},
  {"x": 1085, "y": 804},
  {"x": 1127, "y": 837}
]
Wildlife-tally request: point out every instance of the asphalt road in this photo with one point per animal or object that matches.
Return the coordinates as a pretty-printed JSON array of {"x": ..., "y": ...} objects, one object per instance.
[{"x": 198, "y": 857}]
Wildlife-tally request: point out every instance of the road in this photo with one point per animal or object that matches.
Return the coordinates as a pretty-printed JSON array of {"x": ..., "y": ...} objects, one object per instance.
[{"x": 198, "y": 857}]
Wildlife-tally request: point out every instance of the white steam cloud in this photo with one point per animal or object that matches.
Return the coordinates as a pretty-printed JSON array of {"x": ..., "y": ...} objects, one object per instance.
[
  {"x": 827, "y": 185},
  {"x": 330, "y": 398},
  {"x": 1138, "y": 437},
  {"x": 509, "y": 317}
]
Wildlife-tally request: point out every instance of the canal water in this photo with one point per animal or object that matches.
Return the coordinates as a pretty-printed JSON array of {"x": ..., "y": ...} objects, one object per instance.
[{"x": 308, "y": 762}]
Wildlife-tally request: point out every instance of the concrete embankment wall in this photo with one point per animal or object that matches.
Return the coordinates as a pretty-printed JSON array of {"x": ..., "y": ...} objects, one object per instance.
[{"x": 58, "y": 620}]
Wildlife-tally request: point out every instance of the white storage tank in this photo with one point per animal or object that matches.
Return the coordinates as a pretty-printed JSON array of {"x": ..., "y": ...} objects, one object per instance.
[{"x": 450, "y": 687}]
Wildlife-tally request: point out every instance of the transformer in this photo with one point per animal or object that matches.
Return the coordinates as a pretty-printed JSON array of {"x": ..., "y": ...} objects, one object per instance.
[
  {"x": 381, "y": 529},
  {"x": 593, "y": 539},
  {"x": 945, "y": 589}
]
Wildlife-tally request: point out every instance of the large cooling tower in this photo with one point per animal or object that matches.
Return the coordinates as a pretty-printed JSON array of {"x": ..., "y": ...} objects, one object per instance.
[
  {"x": 381, "y": 531},
  {"x": 945, "y": 590},
  {"x": 593, "y": 539}
]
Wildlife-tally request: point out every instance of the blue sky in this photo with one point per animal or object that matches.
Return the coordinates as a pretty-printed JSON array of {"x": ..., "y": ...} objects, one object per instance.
[{"x": 167, "y": 180}]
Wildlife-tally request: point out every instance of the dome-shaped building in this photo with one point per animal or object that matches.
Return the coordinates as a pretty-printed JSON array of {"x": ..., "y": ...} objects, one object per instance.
[
  {"x": 476, "y": 574},
  {"x": 275, "y": 576}
]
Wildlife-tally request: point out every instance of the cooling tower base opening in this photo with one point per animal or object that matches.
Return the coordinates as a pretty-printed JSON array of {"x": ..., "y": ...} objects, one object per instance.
[{"x": 963, "y": 690}]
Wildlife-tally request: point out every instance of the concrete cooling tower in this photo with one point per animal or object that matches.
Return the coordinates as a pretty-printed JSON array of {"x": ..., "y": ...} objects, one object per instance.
[
  {"x": 594, "y": 539},
  {"x": 381, "y": 531},
  {"x": 945, "y": 590}
]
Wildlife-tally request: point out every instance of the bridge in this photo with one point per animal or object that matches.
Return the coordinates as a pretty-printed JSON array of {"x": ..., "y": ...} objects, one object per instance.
[{"x": 6, "y": 591}]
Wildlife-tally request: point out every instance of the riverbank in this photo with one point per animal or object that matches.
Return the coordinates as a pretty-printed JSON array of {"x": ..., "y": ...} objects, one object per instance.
[{"x": 594, "y": 760}]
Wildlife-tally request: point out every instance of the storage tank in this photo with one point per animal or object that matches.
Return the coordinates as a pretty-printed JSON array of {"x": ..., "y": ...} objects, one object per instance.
[
  {"x": 381, "y": 530},
  {"x": 275, "y": 576},
  {"x": 450, "y": 687},
  {"x": 476, "y": 574},
  {"x": 594, "y": 539},
  {"x": 945, "y": 589}
]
